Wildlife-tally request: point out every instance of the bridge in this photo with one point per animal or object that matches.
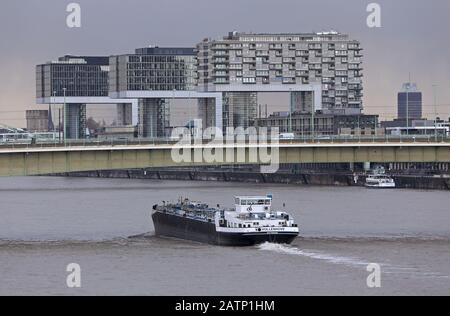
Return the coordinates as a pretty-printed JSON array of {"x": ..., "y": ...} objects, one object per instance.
[{"x": 23, "y": 160}]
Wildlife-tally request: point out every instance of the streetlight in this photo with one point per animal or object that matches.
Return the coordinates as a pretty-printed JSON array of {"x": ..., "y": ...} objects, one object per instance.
[
  {"x": 359, "y": 128},
  {"x": 64, "y": 115},
  {"x": 312, "y": 111},
  {"x": 407, "y": 109},
  {"x": 170, "y": 106},
  {"x": 290, "y": 110},
  {"x": 435, "y": 113},
  {"x": 52, "y": 100}
]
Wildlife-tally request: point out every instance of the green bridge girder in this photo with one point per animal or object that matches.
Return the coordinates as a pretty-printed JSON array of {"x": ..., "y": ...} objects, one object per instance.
[{"x": 45, "y": 160}]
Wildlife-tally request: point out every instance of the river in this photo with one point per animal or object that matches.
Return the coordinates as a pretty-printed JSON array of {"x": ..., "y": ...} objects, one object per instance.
[{"x": 104, "y": 225}]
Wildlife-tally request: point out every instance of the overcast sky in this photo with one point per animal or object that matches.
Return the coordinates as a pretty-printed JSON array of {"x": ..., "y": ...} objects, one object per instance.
[{"x": 414, "y": 38}]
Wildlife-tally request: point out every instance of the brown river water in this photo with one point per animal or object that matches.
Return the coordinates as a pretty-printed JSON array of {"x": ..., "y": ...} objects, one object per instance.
[{"x": 104, "y": 225}]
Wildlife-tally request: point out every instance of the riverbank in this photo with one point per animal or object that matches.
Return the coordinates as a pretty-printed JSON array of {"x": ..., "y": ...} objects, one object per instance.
[{"x": 328, "y": 178}]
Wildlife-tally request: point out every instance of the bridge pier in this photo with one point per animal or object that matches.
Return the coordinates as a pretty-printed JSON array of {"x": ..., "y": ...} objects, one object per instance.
[
  {"x": 124, "y": 114},
  {"x": 153, "y": 117},
  {"x": 239, "y": 109},
  {"x": 75, "y": 120},
  {"x": 207, "y": 111}
]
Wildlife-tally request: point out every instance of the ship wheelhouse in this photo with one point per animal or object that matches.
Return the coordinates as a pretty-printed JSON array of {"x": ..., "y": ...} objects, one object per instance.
[{"x": 254, "y": 212}]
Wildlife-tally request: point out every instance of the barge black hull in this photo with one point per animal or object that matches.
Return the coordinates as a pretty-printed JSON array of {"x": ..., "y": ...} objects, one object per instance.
[{"x": 202, "y": 231}]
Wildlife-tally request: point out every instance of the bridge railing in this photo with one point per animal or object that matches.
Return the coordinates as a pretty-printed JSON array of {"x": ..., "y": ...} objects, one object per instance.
[{"x": 45, "y": 143}]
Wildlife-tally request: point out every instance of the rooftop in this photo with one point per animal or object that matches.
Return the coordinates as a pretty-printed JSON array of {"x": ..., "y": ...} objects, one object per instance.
[
  {"x": 155, "y": 50},
  {"x": 410, "y": 87},
  {"x": 287, "y": 36},
  {"x": 85, "y": 60}
]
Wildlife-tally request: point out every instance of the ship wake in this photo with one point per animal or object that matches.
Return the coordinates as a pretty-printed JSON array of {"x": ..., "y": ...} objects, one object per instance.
[
  {"x": 286, "y": 249},
  {"x": 349, "y": 261}
]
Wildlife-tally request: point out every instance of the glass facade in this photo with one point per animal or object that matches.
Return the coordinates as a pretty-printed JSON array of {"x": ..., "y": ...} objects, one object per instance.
[
  {"x": 411, "y": 102},
  {"x": 81, "y": 76},
  {"x": 239, "y": 109},
  {"x": 324, "y": 124},
  {"x": 154, "y": 69}
]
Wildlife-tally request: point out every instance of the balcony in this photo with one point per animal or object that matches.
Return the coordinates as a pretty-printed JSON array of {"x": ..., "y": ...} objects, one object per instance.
[
  {"x": 262, "y": 73},
  {"x": 262, "y": 53},
  {"x": 315, "y": 60},
  {"x": 221, "y": 81},
  {"x": 328, "y": 53},
  {"x": 302, "y": 73},
  {"x": 356, "y": 47},
  {"x": 220, "y": 61},
  {"x": 340, "y": 67},
  {"x": 219, "y": 46},
  {"x": 354, "y": 81},
  {"x": 328, "y": 60},
  {"x": 275, "y": 66},
  {"x": 355, "y": 87},
  {"x": 220, "y": 53},
  {"x": 236, "y": 60},
  {"x": 288, "y": 80},
  {"x": 301, "y": 53},
  {"x": 220, "y": 74},
  {"x": 221, "y": 67},
  {"x": 262, "y": 66},
  {"x": 354, "y": 60},
  {"x": 289, "y": 60},
  {"x": 248, "y": 80},
  {"x": 300, "y": 66},
  {"x": 250, "y": 60},
  {"x": 289, "y": 74},
  {"x": 315, "y": 66},
  {"x": 315, "y": 46},
  {"x": 341, "y": 53},
  {"x": 355, "y": 67}
]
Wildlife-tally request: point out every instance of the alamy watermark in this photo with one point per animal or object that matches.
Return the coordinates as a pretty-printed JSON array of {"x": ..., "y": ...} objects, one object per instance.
[
  {"x": 74, "y": 17},
  {"x": 235, "y": 146},
  {"x": 73, "y": 279},
  {"x": 374, "y": 18},
  {"x": 374, "y": 278}
]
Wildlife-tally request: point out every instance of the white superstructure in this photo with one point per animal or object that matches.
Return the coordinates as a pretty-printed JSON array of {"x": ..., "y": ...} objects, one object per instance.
[
  {"x": 379, "y": 180},
  {"x": 254, "y": 214}
]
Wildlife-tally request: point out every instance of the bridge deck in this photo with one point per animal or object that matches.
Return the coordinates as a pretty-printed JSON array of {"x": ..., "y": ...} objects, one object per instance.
[{"x": 32, "y": 160}]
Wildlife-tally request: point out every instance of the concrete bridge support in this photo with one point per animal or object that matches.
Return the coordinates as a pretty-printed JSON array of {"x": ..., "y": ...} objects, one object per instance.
[
  {"x": 75, "y": 121},
  {"x": 153, "y": 117},
  {"x": 124, "y": 114}
]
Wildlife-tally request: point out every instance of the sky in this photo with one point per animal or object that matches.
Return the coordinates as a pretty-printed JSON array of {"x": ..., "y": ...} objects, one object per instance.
[{"x": 413, "y": 39}]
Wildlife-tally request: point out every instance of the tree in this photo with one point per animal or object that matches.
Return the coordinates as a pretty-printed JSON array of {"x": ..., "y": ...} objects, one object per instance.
[{"x": 92, "y": 124}]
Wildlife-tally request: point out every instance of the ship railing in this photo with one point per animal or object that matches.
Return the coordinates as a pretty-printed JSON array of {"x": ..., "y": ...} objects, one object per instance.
[{"x": 252, "y": 217}]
